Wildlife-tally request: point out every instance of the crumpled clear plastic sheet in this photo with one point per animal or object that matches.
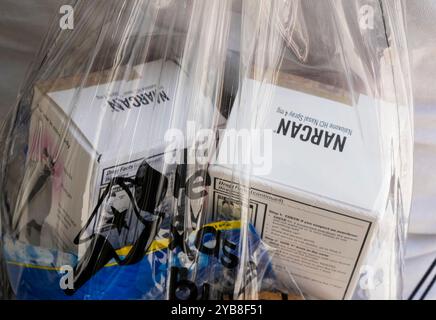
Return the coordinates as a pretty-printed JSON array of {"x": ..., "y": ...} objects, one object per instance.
[{"x": 211, "y": 150}]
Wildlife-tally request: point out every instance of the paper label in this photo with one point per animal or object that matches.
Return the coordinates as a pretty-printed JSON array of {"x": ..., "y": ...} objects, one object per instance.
[{"x": 320, "y": 248}]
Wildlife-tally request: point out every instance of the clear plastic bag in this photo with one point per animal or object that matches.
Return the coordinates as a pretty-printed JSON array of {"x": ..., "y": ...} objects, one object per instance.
[{"x": 211, "y": 150}]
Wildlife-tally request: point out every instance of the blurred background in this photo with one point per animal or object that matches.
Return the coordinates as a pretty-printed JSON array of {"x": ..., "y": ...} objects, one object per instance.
[{"x": 24, "y": 23}]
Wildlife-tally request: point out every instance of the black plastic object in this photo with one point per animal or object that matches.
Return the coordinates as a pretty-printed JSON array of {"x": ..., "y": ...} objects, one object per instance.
[{"x": 150, "y": 188}]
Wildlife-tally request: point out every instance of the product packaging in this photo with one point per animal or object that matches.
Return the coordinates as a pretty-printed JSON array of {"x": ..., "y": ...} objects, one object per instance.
[
  {"x": 231, "y": 149},
  {"x": 318, "y": 143}
]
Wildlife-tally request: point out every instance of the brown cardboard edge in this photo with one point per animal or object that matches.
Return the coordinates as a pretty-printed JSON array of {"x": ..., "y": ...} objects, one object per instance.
[
  {"x": 92, "y": 79},
  {"x": 304, "y": 85}
]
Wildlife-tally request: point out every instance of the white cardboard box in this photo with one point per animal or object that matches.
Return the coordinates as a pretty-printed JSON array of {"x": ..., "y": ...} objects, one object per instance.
[
  {"x": 105, "y": 130},
  {"x": 327, "y": 187}
]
